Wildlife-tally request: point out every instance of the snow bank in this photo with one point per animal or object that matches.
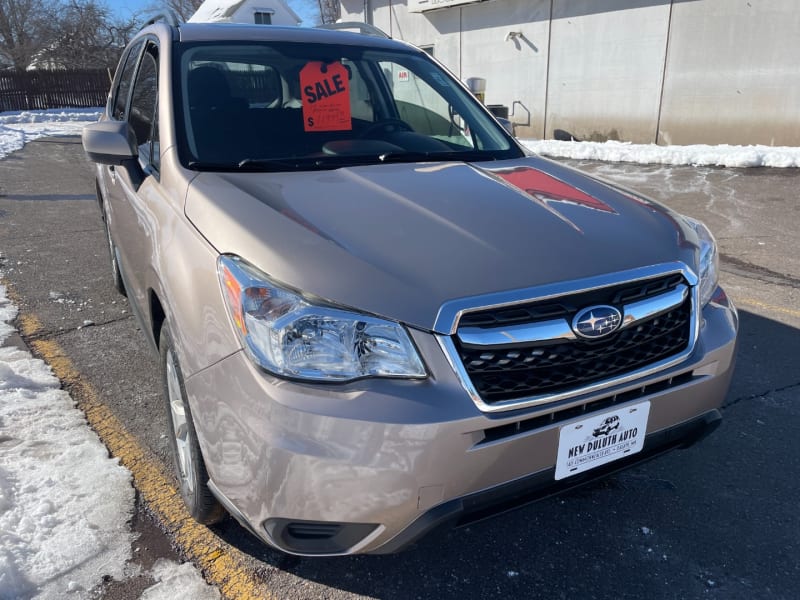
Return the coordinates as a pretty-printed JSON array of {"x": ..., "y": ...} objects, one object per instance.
[
  {"x": 697, "y": 155},
  {"x": 17, "y": 128},
  {"x": 178, "y": 582},
  {"x": 8, "y": 312},
  {"x": 60, "y": 115},
  {"x": 64, "y": 504}
]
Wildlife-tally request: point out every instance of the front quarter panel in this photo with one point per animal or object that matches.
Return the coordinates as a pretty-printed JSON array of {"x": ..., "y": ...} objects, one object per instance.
[{"x": 184, "y": 278}]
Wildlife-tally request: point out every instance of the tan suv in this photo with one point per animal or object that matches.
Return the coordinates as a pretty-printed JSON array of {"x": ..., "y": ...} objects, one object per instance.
[{"x": 376, "y": 313}]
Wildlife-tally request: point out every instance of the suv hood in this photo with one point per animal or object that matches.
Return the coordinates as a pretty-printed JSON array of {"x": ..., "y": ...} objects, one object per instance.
[{"x": 399, "y": 240}]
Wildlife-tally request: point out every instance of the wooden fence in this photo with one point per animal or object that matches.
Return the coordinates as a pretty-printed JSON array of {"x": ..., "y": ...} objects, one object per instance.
[{"x": 29, "y": 90}]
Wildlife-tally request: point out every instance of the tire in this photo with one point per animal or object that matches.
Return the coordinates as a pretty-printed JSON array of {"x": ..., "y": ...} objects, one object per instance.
[
  {"x": 190, "y": 468},
  {"x": 119, "y": 285}
]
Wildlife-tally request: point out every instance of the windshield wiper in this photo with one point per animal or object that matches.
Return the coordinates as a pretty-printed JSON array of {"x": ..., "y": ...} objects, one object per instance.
[
  {"x": 335, "y": 162},
  {"x": 199, "y": 165},
  {"x": 258, "y": 164},
  {"x": 275, "y": 164},
  {"x": 317, "y": 163},
  {"x": 456, "y": 155}
]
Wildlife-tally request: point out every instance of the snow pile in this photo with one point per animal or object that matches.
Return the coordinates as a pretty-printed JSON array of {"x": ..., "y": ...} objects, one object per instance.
[
  {"x": 212, "y": 11},
  {"x": 8, "y": 312},
  {"x": 178, "y": 582},
  {"x": 61, "y": 115},
  {"x": 697, "y": 155},
  {"x": 20, "y": 127},
  {"x": 64, "y": 504}
]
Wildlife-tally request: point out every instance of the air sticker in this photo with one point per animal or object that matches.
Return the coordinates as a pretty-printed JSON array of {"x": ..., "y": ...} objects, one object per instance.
[{"x": 326, "y": 97}]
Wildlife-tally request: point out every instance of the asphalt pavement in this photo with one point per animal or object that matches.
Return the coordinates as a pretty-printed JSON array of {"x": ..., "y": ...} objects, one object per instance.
[{"x": 718, "y": 520}]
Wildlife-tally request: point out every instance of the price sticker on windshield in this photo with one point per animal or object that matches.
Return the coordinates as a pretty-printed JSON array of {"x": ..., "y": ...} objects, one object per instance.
[{"x": 326, "y": 97}]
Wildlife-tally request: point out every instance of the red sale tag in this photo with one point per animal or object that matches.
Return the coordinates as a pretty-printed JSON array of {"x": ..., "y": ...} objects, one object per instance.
[{"x": 326, "y": 97}]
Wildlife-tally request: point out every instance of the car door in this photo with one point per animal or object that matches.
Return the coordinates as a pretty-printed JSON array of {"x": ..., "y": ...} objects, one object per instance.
[
  {"x": 135, "y": 191},
  {"x": 117, "y": 109}
]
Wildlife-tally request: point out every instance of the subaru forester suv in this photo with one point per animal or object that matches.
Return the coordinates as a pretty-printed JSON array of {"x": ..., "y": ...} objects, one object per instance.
[{"x": 376, "y": 313}]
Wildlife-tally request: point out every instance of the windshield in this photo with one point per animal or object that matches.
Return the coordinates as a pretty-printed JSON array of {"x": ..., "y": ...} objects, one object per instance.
[{"x": 287, "y": 106}]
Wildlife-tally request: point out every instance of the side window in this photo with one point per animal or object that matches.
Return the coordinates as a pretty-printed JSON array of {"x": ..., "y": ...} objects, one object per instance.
[
  {"x": 262, "y": 18},
  {"x": 144, "y": 105},
  {"x": 424, "y": 107},
  {"x": 124, "y": 84}
]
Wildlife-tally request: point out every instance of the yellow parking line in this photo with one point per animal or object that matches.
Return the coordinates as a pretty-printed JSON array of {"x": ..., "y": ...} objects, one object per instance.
[
  {"x": 221, "y": 564},
  {"x": 29, "y": 325},
  {"x": 769, "y": 307}
]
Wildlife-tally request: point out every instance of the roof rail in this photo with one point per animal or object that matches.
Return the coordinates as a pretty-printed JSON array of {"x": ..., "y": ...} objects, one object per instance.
[
  {"x": 168, "y": 16},
  {"x": 364, "y": 28}
]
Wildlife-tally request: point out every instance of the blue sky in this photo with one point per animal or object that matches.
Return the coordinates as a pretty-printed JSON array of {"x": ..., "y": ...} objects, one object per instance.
[{"x": 125, "y": 8}]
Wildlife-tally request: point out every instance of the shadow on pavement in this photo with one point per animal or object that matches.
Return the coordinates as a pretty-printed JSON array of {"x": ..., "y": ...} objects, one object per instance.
[{"x": 695, "y": 522}]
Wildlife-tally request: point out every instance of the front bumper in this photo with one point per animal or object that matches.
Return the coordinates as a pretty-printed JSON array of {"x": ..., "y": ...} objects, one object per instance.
[{"x": 372, "y": 465}]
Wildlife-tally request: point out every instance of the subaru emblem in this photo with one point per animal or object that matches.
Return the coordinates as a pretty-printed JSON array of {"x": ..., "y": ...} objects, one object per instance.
[{"x": 596, "y": 321}]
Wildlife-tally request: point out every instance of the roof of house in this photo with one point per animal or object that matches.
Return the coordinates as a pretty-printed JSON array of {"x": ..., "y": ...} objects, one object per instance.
[{"x": 222, "y": 10}]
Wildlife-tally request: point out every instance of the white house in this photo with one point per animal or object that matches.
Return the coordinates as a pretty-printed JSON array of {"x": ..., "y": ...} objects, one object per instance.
[
  {"x": 665, "y": 71},
  {"x": 263, "y": 12}
]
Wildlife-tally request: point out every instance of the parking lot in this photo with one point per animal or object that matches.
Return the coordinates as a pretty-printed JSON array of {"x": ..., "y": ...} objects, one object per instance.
[{"x": 718, "y": 520}]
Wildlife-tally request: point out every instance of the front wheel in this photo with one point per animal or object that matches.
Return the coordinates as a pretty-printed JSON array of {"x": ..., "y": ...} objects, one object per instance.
[{"x": 189, "y": 465}]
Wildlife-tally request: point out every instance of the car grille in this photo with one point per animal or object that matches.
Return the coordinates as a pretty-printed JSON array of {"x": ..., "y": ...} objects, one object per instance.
[{"x": 506, "y": 372}]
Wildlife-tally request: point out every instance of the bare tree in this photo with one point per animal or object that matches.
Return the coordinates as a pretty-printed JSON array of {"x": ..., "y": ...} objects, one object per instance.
[
  {"x": 85, "y": 36},
  {"x": 55, "y": 34},
  {"x": 309, "y": 8},
  {"x": 24, "y": 30},
  {"x": 330, "y": 10},
  {"x": 183, "y": 9}
]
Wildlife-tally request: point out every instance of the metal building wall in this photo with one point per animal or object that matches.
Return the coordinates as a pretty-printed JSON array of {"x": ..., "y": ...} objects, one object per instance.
[
  {"x": 509, "y": 48},
  {"x": 606, "y": 67},
  {"x": 440, "y": 29},
  {"x": 733, "y": 73},
  {"x": 473, "y": 41},
  {"x": 666, "y": 71}
]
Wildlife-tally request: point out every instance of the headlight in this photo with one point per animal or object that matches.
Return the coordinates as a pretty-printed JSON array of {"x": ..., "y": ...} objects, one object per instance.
[
  {"x": 289, "y": 336},
  {"x": 707, "y": 260}
]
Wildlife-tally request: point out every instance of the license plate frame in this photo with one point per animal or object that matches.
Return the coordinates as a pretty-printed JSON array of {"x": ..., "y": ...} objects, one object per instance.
[{"x": 601, "y": 438}]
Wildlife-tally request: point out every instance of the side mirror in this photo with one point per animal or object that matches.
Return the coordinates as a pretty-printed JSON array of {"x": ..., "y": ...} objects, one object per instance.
[{"x": 109, "y": 142}]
